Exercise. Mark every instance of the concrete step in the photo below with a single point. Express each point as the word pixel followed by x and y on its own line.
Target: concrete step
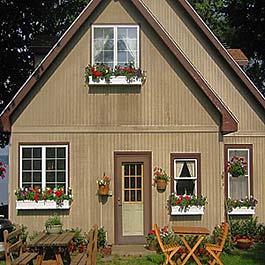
pixel 131 250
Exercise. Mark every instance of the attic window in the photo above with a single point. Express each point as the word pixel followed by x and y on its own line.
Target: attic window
pixel 115 45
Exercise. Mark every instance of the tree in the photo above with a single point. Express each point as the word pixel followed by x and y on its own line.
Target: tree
pixel 239 24
pixel 23 21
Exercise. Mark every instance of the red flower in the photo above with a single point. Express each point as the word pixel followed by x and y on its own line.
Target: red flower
pixel 36 197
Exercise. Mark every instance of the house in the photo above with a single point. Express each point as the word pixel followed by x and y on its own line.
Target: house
pixel 195 110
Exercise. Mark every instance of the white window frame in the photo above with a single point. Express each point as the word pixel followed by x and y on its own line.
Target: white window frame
pixel 115 27
pixel 189 178
pixel 248 169
pixel 43 159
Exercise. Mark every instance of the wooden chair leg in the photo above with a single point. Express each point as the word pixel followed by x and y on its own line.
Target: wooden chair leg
pixel 215 256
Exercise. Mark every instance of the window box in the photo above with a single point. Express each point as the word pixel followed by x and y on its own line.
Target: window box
pixel 115 80
pixel 42 205
pixel 193 210
pixel 242 211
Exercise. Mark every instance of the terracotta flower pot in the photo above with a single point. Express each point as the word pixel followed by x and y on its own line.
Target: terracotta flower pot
pixel 244 243
pixel 152 246
pixel 106 251
pixel 161 184
pixel 103 189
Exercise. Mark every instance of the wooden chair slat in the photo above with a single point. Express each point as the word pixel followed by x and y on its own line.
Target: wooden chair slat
pixel 168 250
pixel 16 247
pixel 215 250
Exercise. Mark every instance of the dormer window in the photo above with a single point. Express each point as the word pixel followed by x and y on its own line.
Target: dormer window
pixel 115 45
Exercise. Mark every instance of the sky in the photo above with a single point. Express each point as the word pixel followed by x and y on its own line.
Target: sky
pixel 4 151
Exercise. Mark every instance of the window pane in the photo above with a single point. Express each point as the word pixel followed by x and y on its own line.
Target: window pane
pixel 185 187
pixel 61 153
pixel 50 177
pixel 126 183
pixel 37 177
pixel 37 152
pixel 139 195
pixel 61 177
pixel 26 177
pixel 126 169
pixel 50 164
pixel 98 33
pixel 126 195
pixel 238 187
pixel 122 57
pixel 108 57
pixel 132 33
pixel 139 182
pixel 109 45
pixel 61 164
pixel 132 182
pixel 132 169
pixel 132 195
pixel 36 164
pixel 26 165
pixel 50 152
pixel 26 152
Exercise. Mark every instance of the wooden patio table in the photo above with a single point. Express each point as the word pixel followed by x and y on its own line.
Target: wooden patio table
pixel 198 232
pixel 56 244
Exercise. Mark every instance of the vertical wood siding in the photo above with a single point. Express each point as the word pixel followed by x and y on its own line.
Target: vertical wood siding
pixel 168 114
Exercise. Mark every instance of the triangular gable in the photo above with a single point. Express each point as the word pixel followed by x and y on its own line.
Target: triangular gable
pixel 229 123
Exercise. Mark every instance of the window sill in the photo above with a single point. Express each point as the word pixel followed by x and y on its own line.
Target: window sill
pixel 115 80
pixel 193 210
pixel 242 211
pixel 42 205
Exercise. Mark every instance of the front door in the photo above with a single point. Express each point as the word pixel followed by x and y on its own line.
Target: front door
pixel 132 197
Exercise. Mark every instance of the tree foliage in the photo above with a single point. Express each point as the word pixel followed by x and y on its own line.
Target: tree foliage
pixel 239 24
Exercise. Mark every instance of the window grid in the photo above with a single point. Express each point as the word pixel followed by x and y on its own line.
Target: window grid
pixel 132 183
pixel 43 183
pixel 238 152
pixel 115 48
pixel 178 178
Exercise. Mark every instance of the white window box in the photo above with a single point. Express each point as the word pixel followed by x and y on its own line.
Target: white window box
pixel 242 211
pixel 42 205
pixel 115 80
pixel 193 210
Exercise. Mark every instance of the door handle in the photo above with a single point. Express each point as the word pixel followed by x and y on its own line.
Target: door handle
pixel 119 201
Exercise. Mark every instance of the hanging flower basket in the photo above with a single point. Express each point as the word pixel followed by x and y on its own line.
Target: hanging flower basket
pixel 103 189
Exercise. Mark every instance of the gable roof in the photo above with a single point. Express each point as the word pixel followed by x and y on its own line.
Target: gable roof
pixel 229 123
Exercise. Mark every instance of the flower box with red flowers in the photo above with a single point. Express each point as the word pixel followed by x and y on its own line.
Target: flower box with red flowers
pixel 244 206
pixel 102 74
pixel 47 199
pixel 187 204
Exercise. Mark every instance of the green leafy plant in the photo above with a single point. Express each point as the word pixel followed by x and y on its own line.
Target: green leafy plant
pixel 151 238
pixel 79 242
pixel 102 238
pixel 53 220
pixel 249 202
pixel 186 201
pixel 160 173
pixel 237 166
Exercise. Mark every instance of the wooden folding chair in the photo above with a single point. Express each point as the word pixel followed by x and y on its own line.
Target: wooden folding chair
pixel 90 256
pixel 168 250
pixel 13 249
pixel 215 250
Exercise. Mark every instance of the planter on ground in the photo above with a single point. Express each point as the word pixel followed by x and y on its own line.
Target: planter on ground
pixel 42 205
pixel 193 210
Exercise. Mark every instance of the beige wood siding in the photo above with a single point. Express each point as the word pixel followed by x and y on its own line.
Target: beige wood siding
pixel 92 154
pixel 168 114
pixel 209 63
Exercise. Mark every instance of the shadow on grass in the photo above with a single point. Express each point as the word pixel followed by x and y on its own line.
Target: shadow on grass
pixel 256 255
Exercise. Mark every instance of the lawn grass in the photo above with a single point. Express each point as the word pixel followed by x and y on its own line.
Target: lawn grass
pixel 253 256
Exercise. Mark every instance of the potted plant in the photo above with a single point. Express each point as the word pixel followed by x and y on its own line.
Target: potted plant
pixel 102 74
pixel 236 166
pixel 244 242
pixel 186 204
pixel 103 185
pixel 53 225
pixel 242 206
pixel 151 240
pixel 35 198
pixel 104 249
pixel 161 178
